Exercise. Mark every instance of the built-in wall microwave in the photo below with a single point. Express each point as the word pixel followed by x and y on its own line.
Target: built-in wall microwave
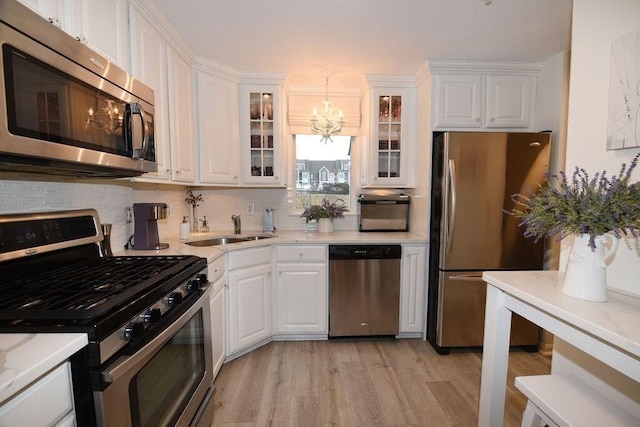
pixel 65 109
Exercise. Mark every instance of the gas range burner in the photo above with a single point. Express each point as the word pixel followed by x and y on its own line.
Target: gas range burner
pixel 87 289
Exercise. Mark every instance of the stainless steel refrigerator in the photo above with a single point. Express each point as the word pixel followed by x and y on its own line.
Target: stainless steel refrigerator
pixel 474 175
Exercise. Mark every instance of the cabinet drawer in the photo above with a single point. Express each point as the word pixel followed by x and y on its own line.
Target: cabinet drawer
pixel 301 253
pixel 248 257
pixel 216 269
pixel 46 402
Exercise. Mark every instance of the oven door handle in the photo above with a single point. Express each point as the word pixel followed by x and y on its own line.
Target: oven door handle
pixel 124 364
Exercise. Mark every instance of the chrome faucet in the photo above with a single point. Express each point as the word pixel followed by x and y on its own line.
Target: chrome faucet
pixel 236 224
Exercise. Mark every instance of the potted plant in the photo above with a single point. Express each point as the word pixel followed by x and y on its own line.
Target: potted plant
pixel 324 213
pixel 592 210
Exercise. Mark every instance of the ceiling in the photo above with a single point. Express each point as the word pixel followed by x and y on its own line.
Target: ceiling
pixel 304 38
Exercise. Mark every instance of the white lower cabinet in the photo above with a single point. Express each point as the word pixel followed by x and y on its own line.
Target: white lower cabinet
pixel 301 290
pixel 46 402
pixel 250 298
pixel 412 289
pixel 218 294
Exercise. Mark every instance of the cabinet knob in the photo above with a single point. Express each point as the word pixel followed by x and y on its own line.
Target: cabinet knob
pixel 178 171
pixel 56 22
pixel 477 119
pixel 82 39
pixel 301 255
pixel 268 273
pixel 168 170
pixel 235 176
pixel 492 119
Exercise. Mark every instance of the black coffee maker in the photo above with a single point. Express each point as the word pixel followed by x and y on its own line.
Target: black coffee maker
pixel 146 216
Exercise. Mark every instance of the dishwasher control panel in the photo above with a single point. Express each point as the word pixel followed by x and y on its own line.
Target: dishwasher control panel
pixel 365 251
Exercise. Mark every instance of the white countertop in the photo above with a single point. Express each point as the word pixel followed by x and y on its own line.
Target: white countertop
pixel 179 247
pixel 616 321
pixel 26 357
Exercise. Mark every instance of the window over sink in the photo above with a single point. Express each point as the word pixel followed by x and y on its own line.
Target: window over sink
pixel 322 169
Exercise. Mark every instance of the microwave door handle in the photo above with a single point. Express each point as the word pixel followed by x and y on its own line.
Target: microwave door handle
pixel 139 153
pixel 452 206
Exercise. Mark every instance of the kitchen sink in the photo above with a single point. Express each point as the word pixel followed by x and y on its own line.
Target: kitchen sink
pixel 226 240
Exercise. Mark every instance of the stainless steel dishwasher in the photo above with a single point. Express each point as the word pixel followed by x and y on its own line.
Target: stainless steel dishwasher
pixel 364 290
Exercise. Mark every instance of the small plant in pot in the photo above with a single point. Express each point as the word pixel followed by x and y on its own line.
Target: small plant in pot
pixel 592 210
pixel 325 212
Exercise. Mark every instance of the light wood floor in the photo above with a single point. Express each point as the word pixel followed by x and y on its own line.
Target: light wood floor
pixel 370 382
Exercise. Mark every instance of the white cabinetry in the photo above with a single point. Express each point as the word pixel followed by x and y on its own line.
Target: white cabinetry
pixel 181 128
pixel 250 298
pixel 158 64
pixel 481 95
pixel 101 24
pixel 391 150
pixel 149 64
pixel 412 289
pixel 218 129
pixel 218 278
pixel 261 143
pixel 458 101
pixel 301 290
pixel 509 100
pixel 46 402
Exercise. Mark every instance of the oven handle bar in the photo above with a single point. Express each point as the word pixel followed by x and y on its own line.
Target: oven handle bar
pixel 155 345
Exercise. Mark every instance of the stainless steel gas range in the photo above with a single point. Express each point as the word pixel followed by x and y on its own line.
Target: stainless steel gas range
pixel 148 362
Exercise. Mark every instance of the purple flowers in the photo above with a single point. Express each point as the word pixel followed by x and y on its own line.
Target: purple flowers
pixel 327 209
pixel 582 205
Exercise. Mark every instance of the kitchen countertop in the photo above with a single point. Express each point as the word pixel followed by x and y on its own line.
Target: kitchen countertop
pixel 26 357
pixel 179 247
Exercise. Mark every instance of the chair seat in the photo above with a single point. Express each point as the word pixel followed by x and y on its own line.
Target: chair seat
pixel 568 401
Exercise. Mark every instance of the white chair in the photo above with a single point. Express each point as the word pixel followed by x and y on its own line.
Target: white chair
pixel 564 400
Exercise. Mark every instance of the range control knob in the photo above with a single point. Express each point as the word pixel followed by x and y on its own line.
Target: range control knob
pixel 152 316
pixel 133 330
pixel 202 278
pixel 174 299
pixel 193 285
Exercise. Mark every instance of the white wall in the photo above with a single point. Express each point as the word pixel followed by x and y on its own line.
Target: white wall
pixel 595 25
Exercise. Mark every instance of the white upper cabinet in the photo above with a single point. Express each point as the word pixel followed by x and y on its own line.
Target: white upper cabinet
pixel 102 25
pixel 392 139
pixel 261 135
pixel 484 95
pixel 181 128
pixel 218 129
pixel 149 65
pixel 509 101
pixel 458 101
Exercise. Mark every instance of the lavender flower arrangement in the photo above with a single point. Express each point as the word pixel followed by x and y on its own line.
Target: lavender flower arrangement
pixel 327 209
pixel 582 205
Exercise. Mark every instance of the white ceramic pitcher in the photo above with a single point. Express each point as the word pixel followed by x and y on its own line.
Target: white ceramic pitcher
pixel 586 276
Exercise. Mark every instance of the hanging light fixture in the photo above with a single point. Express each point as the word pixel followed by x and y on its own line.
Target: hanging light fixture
pixel 325 125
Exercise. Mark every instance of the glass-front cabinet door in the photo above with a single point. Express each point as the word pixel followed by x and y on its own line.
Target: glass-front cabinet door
pixel 261 141
pixel 392 141
pixel 389 136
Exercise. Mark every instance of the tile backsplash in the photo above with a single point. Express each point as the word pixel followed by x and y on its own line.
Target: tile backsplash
pixel 111 197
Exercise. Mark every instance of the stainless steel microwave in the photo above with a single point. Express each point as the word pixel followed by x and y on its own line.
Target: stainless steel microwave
pixel 65 109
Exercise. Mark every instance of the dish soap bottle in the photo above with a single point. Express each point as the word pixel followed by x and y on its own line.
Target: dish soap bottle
pixel 184 228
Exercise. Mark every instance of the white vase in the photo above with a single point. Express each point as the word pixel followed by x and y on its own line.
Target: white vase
pixel 325 225
pixel 586 276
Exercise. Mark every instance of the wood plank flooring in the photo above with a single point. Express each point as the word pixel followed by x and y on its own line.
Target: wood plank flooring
pixel 362 382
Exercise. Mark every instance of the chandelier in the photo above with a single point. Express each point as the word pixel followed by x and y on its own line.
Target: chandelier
pixel 325 125
pixel 106 119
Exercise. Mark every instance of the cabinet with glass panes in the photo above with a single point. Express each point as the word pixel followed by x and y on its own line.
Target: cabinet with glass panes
pixel 392 137
pixel 261 140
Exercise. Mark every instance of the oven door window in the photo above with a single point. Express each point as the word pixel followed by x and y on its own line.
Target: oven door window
pixel 162 388
pixel 46 103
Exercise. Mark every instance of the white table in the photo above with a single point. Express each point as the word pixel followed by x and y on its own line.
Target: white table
pixel 609 331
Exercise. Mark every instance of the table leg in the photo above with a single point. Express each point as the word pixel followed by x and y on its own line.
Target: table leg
pixel 495 359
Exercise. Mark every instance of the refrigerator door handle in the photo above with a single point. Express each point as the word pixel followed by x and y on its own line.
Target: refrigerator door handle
pixel 472 277
pixel 452 210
